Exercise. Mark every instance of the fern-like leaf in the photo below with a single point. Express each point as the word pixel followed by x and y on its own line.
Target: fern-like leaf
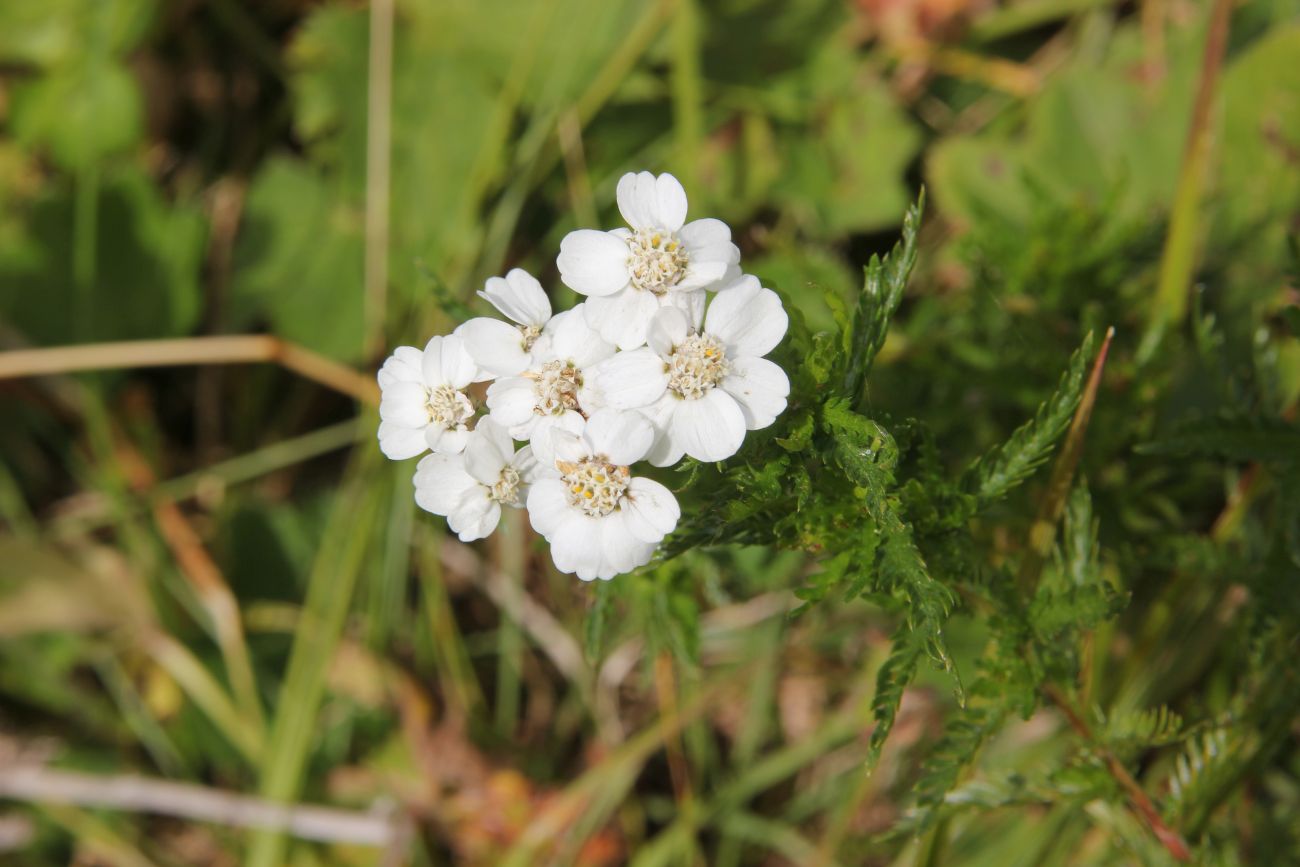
pixel 884 281
pixel 996 473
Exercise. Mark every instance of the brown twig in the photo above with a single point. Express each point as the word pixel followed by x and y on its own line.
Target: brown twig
pixel 232 349
pixel 39 784
pixel 1141 802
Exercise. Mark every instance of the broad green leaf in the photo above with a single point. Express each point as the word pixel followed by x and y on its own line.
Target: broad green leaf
pixel 148 256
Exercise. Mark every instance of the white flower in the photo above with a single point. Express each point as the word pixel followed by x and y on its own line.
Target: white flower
pixel 552 392
pixel 470 488
pixel 423 404
pixel 599 518
pixel 628 275
pixel 497 347
pixel 703 388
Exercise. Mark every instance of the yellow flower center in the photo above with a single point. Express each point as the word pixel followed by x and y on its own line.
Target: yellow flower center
pixel 657 260
pixel 696 366
pixel 594 485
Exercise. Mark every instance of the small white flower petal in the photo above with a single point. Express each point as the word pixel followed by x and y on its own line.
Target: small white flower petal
pixel 665 451
pixel 667 330
pixel 552 434
pixel 518 296
pixel 670 203
pixel 628 380
pixel 572 338
pixel 747 318
pixel 405 404
pixel 709 429
pixel 475 517
pixel 495 346
pixel 399 443
pixel 404 365
pixel 526 464
pixel 701 274
pixel 444 441
pixel 650 510
pixel 441 482
pixel 622 319
pixel 576 546
pixel 622 438
pixel 593 263
pixel 637 199
pixel 760 387
pixel 701 237
pixel 511 400
pixel 458 368
pixel 484 456
pixel 548 505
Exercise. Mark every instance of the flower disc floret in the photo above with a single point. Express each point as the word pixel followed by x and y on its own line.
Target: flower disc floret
pixel 557 384
pixel 594 485
pixel 448 407
pixel 657 260
pixel 506 489
pixel 696 366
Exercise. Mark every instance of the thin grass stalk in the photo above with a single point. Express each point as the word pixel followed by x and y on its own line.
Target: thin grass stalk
pixel 329 594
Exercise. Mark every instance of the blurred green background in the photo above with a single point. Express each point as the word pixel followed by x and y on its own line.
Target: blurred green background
pixel 207 574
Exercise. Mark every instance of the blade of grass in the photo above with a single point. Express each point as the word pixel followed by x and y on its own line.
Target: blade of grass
pixel 379 125
pixel 687 96
pixel 329 595
pixel 96 836
pixel 1178 260
pixel 511 558
pixel 204 690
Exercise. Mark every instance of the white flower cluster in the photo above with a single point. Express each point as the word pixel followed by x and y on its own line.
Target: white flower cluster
pixel 646 368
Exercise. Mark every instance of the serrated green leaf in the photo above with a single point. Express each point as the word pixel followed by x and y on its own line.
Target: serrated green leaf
pixel 996 473
pixel 884 281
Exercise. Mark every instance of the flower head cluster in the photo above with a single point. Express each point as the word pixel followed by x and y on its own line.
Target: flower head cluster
pixel 664 359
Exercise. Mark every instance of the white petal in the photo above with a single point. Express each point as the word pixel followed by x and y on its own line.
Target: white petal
pixel 748 318
pixel 707 234
pixel 575 545
pixel 651 511
pixel 404 365
pixel 458 368
pixel 554 437
pixel 485 456
pixel 593 263
pixel 622 319
pixel 519 296
pixel 760 387
pixel 511 400
pixel 621 551
pixel 548 506
pixel 405 404
pixel 475 516
pixel 709 429
pixel 701 275
pixel 572 338
pixel 399 443
pixel 637 199
pixel 495 346
pixel 622 437
pixel 665 451
pixel 444 441
pixel 431 363
pixel 628 380
pixel 670 203
pixel 526 464
pixel 440 482
pixel 668 329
